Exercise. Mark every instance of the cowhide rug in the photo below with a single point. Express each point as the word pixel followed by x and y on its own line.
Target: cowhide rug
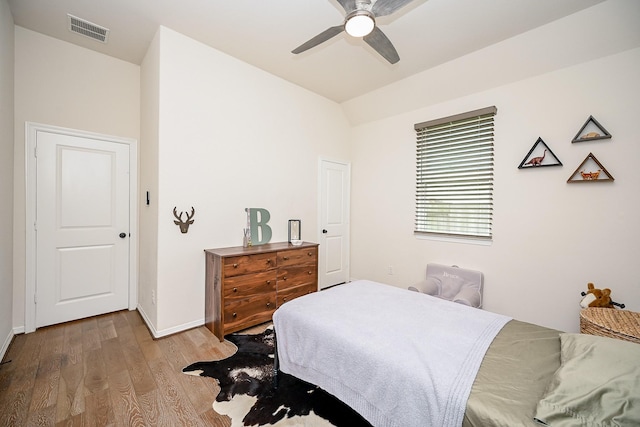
pixel 249 397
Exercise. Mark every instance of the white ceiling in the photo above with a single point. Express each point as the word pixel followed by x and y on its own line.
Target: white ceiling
pixel 425 33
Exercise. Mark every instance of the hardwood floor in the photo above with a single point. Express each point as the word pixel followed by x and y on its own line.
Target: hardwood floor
pixel 109 371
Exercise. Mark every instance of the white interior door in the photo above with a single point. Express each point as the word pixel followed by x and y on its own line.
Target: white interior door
pixel 333 259
pixel 82 227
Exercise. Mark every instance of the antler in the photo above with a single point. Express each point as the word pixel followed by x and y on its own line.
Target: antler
pixel 193 212
pixel 175 213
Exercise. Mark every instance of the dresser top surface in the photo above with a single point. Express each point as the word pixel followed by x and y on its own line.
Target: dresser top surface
pixel 269 247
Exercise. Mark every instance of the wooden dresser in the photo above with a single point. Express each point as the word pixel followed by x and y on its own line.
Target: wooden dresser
pixel 244 286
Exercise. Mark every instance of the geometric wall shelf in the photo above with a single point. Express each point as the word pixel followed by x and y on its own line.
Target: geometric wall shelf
pixel 591 131
pixel 539 155
pixel 590 170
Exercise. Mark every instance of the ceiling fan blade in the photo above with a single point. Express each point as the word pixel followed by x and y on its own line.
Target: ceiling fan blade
pixel 320 38
pixel 377 40
pixel 387 7
pixel 348 5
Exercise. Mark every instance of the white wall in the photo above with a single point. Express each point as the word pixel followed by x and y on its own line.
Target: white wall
pixel 230 136
pixel 148 214
pixel 6 176
pixel 550 238
pixel 61 84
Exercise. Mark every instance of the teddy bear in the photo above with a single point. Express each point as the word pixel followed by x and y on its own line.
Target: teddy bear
pixel 598 298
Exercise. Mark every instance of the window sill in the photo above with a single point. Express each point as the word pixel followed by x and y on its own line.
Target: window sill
pixel 453 239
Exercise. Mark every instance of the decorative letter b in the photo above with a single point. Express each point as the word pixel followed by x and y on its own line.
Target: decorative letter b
pixel 260 231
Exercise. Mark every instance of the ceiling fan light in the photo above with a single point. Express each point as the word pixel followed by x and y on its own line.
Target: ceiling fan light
pixel 359 24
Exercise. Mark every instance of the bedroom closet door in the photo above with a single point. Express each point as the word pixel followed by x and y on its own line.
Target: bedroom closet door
pixel 82 227
pixel 333 253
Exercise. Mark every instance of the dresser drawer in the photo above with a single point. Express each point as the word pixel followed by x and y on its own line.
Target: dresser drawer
pixel 297 256
pixel 239 265
pixel 248 311
pixel 239 287
pixel 296 276
pixel 295 292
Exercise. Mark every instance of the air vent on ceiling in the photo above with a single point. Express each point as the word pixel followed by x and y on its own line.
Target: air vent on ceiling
pixel 88 29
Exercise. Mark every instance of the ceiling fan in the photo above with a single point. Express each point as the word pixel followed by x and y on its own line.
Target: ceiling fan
pixel 360 21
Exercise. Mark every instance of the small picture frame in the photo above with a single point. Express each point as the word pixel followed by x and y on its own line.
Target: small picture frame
pixel 294 230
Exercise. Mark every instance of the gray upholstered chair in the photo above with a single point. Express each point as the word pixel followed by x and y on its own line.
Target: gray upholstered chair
pixel 452 283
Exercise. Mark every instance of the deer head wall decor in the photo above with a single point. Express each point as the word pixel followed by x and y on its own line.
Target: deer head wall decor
pixel 184 225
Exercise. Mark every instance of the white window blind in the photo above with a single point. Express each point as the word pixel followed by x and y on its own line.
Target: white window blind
pixel 454 195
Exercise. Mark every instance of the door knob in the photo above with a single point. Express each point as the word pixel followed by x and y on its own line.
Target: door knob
pixel 324 231
pixel 123 235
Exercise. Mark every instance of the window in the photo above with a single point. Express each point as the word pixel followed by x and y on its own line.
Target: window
pixel 454 180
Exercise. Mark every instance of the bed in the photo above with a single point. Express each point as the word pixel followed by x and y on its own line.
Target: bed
pixel 396 357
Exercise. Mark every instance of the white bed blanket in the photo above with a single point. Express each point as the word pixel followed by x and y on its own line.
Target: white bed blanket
pixel 399 358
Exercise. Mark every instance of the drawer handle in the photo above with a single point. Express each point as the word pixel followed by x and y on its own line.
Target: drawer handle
pixel 234 315
pixel 268 282
pixel 286 258
pixel 284 278
pixel 284 299
pixel 235 265
pixel 268 304
pixel 269 261
pixel 310 253
pixel 310 273
pixel 235 289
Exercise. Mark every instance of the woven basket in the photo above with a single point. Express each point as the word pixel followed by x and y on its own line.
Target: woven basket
pixel 611 322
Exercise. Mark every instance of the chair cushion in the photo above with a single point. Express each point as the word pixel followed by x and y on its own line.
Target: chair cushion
pixel 452 283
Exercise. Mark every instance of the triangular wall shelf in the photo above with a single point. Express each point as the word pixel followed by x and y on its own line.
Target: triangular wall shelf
pixel 594 172
pixel 591 131
pixel 539 155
